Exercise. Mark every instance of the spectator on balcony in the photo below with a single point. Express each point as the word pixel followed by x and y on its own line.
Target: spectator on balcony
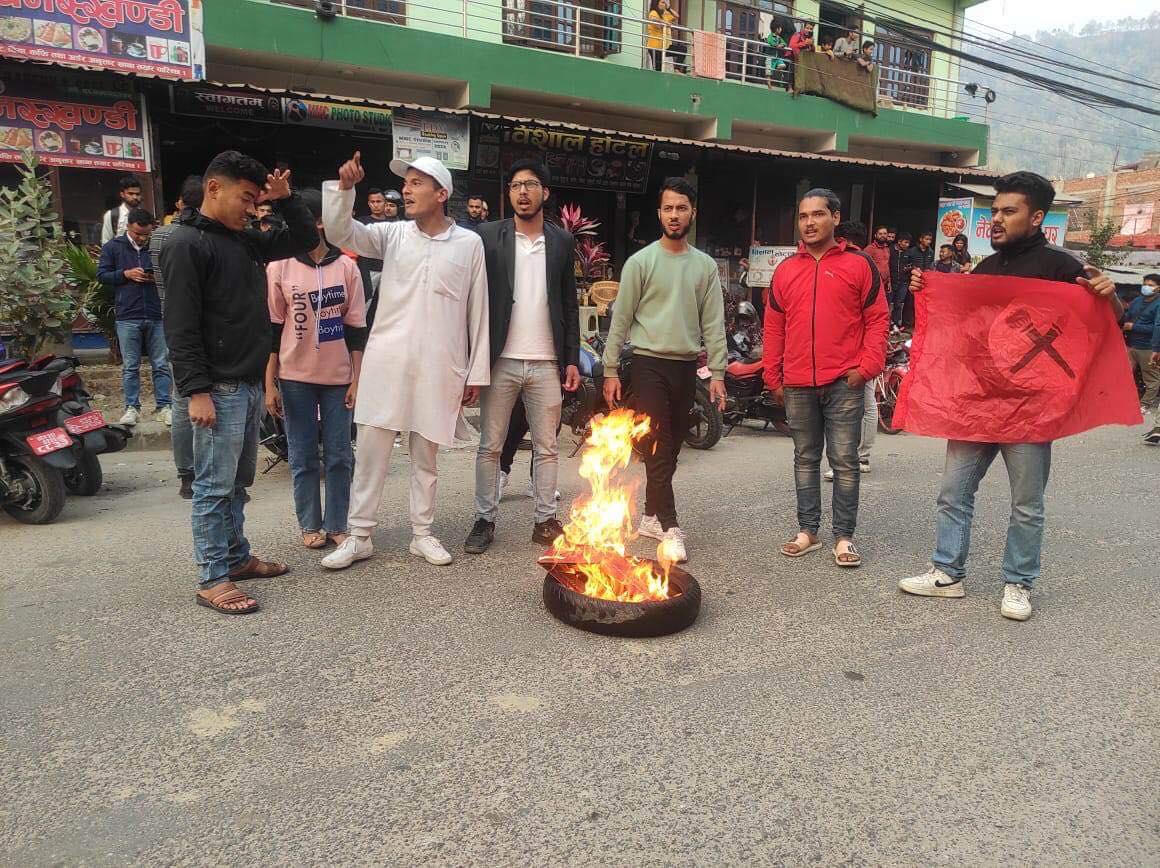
pixel 866 58
pixel 962 254
pixel 826 46
pixel 803 40
pixel 661 17
pixel 847 46
pixel 778 53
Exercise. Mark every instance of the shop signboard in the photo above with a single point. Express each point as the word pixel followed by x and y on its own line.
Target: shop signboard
pixel 583 160
pixel 302 111
pixel 445 137
pixel 217 102
pixel 146 37
pixel 68 124
pixel 763 261
pixel 971 216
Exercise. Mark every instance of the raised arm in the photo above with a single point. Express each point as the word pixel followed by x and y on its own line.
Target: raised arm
pixel 342 230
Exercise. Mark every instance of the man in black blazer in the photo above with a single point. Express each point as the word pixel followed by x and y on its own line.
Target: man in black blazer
pixel 535 347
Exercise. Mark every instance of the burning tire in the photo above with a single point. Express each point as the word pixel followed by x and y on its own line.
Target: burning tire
pixel 614 618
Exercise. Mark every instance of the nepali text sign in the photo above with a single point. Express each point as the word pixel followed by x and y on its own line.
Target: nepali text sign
pixel 306 112
pixel 763 261
pixel 68 125
pixel 222 103
pixel 447 138
pixel 575 159
pixel 148 37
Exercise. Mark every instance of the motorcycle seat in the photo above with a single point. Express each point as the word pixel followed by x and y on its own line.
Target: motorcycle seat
pixel 744 369
pixel 12 365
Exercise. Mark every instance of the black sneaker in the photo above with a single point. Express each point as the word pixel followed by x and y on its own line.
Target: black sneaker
pixel 186 490
pixel 1152 438
pixel 480 538
pixel 545 532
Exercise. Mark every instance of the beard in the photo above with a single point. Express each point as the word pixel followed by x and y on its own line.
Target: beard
pixel 679 234
pixel 536 209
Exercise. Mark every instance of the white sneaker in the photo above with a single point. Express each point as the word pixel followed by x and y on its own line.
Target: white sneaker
pixel 503 483
pixel 353 548
pixel 933 583
pixel 165 415
pixel 431 550
pixel 650 526
pixel 132 416
pixel 674 543
pixel 1016 602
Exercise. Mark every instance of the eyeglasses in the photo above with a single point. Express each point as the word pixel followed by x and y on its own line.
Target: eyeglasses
pixel 529 186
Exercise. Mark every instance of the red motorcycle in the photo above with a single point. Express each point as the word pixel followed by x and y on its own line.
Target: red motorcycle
pixel 887 384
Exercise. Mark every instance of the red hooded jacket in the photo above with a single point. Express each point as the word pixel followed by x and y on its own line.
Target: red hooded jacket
pixel 825 317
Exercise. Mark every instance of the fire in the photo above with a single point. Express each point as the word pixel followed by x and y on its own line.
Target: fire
pixel 600 524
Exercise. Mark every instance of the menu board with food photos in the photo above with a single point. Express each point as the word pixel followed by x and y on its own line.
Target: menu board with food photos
pixel 70 122
pixel 148 37
pixel 577 159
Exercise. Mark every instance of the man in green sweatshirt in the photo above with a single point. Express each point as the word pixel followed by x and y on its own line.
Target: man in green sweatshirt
pixel 669 302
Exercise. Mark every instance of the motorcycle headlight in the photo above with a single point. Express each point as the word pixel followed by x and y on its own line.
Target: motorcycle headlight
pixel 12 399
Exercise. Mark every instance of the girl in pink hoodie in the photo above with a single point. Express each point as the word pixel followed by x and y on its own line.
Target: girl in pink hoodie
pixel 319 331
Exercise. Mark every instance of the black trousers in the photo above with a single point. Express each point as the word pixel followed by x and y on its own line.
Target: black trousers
pixel 665 390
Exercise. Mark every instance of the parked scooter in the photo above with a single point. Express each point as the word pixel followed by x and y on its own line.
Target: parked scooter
pixel 704 419
pixel 91 434
pixel 746 397
pixel 34 450
pixel 888 382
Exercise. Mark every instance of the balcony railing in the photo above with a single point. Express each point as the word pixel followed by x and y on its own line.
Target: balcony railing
pixel 597 29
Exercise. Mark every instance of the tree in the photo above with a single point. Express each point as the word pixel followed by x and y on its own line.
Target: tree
pixel 38 298
pixel 1097 251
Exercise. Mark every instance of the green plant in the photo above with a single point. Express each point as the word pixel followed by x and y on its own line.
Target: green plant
pixel 38 297
pixel 1097 252
pixel 98 299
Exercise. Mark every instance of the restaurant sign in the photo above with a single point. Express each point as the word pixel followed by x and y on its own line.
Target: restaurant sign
pixel 575 159
pixel 252 105
pixel 68 124
pixel 146 37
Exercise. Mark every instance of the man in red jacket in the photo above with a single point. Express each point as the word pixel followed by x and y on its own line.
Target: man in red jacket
pixel 826 322
pixel 879 251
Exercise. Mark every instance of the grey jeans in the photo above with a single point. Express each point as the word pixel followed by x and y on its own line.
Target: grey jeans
pixel 539 383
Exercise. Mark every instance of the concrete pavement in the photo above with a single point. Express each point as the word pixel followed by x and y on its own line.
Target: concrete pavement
pixel 398 713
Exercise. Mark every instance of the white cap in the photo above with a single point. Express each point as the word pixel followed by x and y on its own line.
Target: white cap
pixel 428 166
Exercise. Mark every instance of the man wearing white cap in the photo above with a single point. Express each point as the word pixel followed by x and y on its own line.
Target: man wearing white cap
pixel 428 347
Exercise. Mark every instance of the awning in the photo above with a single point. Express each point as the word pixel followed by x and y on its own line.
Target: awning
pixel 988 191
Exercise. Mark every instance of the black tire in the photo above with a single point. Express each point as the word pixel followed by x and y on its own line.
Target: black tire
pixel 886 393
pixel 86 478
pixel 706 425
pixel 48 487
pixel 630 620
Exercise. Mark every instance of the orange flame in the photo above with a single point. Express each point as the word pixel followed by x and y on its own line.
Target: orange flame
pixel 600 524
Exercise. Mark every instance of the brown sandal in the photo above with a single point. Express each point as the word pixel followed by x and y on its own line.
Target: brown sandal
pixel 849 557
pixel 225 593
pixel 337 538
pixel 255 568
pixel 794 549
pixel 312 539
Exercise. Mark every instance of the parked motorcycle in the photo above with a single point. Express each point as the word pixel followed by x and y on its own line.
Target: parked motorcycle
pixel 91 434
pixel 34 450
pixel 887 384
pixel 705 422
pixel 747 398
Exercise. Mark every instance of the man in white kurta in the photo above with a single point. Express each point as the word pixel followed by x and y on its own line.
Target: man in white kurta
pixel 428 347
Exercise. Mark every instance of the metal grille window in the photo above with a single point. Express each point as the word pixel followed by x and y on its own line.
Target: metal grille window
pixel 552 24
pixel 903 68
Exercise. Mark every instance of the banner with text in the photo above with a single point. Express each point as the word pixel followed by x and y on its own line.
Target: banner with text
pixel 763 261
pixel 147 37
pixel 68 124
pixel 447 138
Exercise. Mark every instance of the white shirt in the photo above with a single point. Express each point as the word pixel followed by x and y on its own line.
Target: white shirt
pixel 530 331
pixel 430 335
pixel 108 232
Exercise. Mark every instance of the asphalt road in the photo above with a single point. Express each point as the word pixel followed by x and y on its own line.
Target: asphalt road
pixel 399 713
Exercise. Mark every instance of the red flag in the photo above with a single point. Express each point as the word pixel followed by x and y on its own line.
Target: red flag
pixel 1014 360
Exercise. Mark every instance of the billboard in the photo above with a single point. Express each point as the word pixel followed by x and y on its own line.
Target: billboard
pixel 763 261
pixel 147 37
pixel 445 137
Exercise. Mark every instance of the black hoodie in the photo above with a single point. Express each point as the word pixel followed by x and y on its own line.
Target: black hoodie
pixel 217 319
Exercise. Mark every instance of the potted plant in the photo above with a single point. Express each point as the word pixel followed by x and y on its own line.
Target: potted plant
pixel 38 298
pixel 591 255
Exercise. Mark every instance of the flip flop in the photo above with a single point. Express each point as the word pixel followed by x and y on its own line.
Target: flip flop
pixel 312 539
pixel 228 592
pixel 853 559
pixel 255 568
pixel 798 549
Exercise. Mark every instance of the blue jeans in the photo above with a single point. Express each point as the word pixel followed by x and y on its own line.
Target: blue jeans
pixel 225 459
pixel 305 406
pixel 181 433
pixel 539 384
pixel 137 336
pixel 1028 466
pixel 831 414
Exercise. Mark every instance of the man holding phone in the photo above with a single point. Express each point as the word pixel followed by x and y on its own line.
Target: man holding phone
pixel 126 266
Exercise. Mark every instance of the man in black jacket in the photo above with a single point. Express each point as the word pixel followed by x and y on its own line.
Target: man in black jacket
pixel 217 323
pixel 534 319
pixel 920 257
pixel 1021 250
